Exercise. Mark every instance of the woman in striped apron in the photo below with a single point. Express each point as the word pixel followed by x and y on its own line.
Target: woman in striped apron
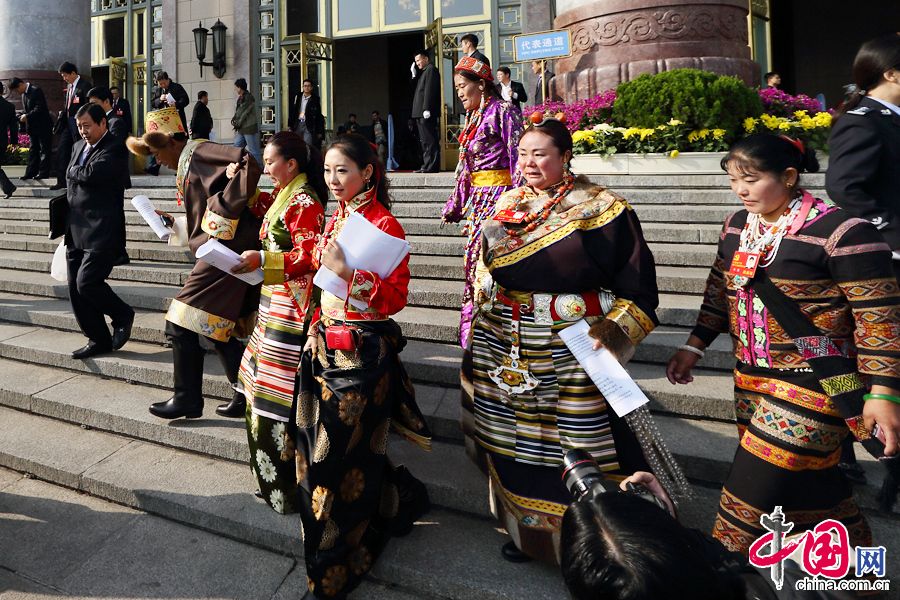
pixel 293 216
pixel 557 249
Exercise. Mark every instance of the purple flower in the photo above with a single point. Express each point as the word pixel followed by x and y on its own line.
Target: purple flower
pixel 581 114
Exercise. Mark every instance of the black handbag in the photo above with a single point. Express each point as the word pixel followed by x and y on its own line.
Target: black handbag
pixel 837 374
pixel 59 216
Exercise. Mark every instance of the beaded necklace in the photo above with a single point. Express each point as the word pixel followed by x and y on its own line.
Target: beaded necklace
pixel 764 239
pixel 473 121
pixel 533 219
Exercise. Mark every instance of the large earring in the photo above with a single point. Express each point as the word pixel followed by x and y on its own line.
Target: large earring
pixel 368 184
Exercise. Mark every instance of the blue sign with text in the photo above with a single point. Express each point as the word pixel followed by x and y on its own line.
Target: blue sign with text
pixel 538 46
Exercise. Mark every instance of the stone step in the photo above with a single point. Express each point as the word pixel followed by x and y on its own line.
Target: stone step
pixel 150 364
pixel 696 181
pixel 216 495
pixel 45 332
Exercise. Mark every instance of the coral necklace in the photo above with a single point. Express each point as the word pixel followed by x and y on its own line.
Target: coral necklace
pixel 533 219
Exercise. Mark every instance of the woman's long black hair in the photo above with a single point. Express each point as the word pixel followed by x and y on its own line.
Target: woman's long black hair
pixel 360 151
pixel 289 145
pixel 874 58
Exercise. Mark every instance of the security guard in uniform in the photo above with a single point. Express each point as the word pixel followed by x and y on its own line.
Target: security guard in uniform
pixel 863 174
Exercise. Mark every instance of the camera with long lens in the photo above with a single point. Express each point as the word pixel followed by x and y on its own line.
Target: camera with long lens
pixel 583 478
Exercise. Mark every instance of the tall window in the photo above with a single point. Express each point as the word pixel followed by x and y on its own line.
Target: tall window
pixel 302 17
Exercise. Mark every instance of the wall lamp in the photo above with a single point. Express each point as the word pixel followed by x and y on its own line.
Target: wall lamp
pixel 201 35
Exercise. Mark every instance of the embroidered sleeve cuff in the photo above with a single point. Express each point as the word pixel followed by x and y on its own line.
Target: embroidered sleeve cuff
pixel 218 226
pixel 634 322
pixel 273 268
pixel 363 286
pixel 613 339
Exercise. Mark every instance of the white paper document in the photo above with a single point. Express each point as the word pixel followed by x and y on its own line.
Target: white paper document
pixel 146 209
pixel 621 392
pixel 367 248
pixel 221 257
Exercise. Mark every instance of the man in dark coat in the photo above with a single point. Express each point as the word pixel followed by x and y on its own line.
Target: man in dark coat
pixel 40 128
pixel 539 85
pixel 119 130
pixel 9 133
pixel 201 119
pixel 509 90
pixel 212 303
pixel 122 108
pixel 95 237
pixel 168 94
pixel 863 175
pixel 426 111
pixel 77 88
pixel 306 118
pixel 469 45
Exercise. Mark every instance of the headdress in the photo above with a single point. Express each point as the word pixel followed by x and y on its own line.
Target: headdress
pixel 539 117
pixel 158 123
pixel 165 120
pixel 796 143
pixel 476 67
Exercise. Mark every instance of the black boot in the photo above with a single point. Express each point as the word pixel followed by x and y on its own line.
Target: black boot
pixel 187 363
pixel 230 354
pixel 234 409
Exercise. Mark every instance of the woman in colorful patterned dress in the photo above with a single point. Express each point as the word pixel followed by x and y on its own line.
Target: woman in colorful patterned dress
pixel 487 163
pixel 352 389
pixel 293 216
pixel 558 249
pixel 838 270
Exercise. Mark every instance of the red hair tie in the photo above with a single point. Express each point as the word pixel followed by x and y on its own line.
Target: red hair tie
pixel 796 143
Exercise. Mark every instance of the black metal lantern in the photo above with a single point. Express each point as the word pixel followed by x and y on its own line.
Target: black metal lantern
pixel 200 38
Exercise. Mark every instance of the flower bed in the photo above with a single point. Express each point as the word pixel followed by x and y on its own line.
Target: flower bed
pixel 18 154
pixel 710 113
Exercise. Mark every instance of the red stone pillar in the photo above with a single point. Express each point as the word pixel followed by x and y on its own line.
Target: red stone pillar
pixel 617 40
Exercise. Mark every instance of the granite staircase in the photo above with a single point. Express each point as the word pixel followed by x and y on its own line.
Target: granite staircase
pixel 85 425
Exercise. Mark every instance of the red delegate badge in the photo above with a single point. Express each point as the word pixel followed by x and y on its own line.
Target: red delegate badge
pixel 510 216
pixel 744 264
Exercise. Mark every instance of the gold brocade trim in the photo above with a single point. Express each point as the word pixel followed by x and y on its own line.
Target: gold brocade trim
pixel 518 505
pixel 787 392
pixel 631 319
pixel 785 458
pixel 419 440
pixel 184 164
pixel 199 321
pixel 491 178
pixel 273 268
pixel 253 199
pixel 218 226
pixel 615 209
pixel 333 307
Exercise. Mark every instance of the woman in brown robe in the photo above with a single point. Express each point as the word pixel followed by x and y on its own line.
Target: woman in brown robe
pixel 212 303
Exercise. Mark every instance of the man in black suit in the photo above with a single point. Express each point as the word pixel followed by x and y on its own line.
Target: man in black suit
pixel 95 237
pixel 469 45
pixel 40 128
pixel 77 88
pixel 168 93
pixel 115 125
pixel 539 86
pixel 306 118
pixel 426 111
pixel 509 90
pixel 201 119
pixel 119 130
pixel 9 131
pixel 122 108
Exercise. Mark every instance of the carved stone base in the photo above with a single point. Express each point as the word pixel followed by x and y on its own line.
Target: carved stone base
pixel 617 40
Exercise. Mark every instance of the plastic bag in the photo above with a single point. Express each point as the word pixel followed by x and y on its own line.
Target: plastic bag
pixel 59 270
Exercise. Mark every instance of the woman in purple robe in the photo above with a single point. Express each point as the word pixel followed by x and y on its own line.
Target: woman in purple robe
pixel 488 150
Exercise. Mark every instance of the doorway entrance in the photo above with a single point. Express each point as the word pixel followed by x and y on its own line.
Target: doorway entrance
pixel 373 73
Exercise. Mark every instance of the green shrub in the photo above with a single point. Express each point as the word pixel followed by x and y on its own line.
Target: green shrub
pixel 700 99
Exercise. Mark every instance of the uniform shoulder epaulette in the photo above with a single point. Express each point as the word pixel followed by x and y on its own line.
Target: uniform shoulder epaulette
pixel 859 111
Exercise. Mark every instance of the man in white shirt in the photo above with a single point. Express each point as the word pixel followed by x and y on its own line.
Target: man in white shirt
pixel 511 91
